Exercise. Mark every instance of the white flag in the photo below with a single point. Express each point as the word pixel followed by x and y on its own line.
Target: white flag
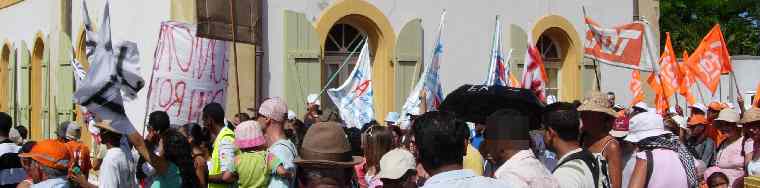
pixel 354 98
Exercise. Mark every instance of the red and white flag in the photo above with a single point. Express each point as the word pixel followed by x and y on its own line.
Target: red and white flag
pixel 534 75
pixel 622 45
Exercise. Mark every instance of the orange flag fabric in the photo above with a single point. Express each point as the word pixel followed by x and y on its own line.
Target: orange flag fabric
pixel 513 82
pixel 635 87
pixel 710 59
pixel 660 100
pixel 685 80
pixel 756 102
pixel 669 71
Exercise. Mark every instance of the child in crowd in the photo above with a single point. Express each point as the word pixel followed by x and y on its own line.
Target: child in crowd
pixel 717 180
pixel 254 165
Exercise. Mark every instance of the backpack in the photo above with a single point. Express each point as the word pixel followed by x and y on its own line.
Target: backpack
pixel 598 167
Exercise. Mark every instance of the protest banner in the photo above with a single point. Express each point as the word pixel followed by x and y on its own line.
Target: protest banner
pixel 188 73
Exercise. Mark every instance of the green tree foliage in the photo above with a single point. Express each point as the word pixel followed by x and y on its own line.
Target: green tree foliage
pixel 688 21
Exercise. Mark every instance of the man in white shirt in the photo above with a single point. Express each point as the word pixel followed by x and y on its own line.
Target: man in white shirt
pixel 119 167
pixel 562 129
pixel 10 165
pixel 441 140
pixel 507 145
pixel 272 114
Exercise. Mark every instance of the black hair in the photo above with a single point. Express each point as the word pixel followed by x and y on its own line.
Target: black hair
pixel 109 137
pixel 178 151
pixel 355 140
pixel 342 176
pixel 440 139
pixel 6 122
pixel 507 124
pixel 23 132
pixel 714 176
pixel 243 117
pixel 200 135
pixel 27 147
pixel 563 118
pixel 215 112
pixel 159 121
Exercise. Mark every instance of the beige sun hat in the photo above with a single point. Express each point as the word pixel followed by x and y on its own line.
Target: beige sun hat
pixel 728 115
pixel 751 115
pixel 597 102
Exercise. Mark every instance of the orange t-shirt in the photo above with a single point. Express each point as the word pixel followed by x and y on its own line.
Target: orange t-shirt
pixel 80 154
pixel 712 132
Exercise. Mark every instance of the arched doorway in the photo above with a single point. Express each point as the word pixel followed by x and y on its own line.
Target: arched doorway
pixel 364 16
pixel 5 57
pixel 343 42
pixel 551 54
pixel 561 47
pixel 35 90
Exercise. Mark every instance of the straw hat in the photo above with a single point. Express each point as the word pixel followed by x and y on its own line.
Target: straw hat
pixel 751 115
pixel 728 115
pixel 325 145
pixel 106 124
pixel 597 102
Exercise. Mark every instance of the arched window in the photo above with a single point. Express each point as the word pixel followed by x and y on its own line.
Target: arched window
pixel 342 40
pixel 551 53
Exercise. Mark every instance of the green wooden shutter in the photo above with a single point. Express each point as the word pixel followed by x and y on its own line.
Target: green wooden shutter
pixel 12 84
pixel 408 60
pixel 518 41
pixel 302 61
pixel 24 61
pixel 46 91
pixel 64 107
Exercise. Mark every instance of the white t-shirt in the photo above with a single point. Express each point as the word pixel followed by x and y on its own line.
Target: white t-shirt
pixel 117 171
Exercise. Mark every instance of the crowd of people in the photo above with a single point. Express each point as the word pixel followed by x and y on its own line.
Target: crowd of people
pixel 588 144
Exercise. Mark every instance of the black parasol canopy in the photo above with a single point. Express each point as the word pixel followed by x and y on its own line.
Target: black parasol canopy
pixel 474 103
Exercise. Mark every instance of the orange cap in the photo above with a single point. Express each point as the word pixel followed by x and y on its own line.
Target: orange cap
pixel 697 119
pixel 716 106
pixel 50 153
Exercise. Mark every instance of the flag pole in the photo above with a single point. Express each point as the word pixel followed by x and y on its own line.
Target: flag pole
pixel 597 75
pixel 234 53
pixel 738 92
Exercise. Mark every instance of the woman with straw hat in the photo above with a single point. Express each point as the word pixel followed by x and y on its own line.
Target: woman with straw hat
pixel 751 121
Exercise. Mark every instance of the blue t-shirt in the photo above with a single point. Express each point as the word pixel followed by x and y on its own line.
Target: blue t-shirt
pixel 286 151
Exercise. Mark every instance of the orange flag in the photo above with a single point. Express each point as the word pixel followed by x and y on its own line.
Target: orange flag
pixel 711 59
pixel 660 101
pixel 513 81
pixel 669 70
pixel 756 102
pixel 635 87
pixel 686 80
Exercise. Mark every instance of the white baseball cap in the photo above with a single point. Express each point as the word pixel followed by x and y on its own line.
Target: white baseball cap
pixel 680 120
pixel 395 163
pixel 644 125
pixel 291 115
pixel 392 117
pixel 313 99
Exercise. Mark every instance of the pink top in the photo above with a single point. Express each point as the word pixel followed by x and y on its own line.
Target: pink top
pixel 730 161
pixel 668 170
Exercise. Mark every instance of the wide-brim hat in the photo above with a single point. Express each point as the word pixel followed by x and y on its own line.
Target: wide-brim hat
pixel 325 145
pixel 751 115
pixel 728 115
pixel 644 125
pixel 597 102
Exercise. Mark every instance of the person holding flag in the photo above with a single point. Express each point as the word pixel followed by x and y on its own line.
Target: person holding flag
pixel 427 93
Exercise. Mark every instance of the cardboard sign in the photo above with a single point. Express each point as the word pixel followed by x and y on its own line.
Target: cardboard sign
pixel 188 73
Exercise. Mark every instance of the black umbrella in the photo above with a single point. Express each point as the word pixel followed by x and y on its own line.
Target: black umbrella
pixel 474 103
